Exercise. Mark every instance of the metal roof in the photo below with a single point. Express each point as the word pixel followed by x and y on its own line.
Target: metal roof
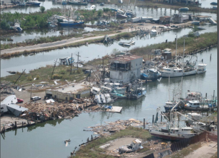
pixel 17 107
pixel 125 58
pixel 10 99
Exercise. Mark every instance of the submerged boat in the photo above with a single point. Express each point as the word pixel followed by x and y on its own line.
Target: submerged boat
pixel 66 61
pixel 183 9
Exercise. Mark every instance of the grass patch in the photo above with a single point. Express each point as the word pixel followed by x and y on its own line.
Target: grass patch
pixel 92 149
pixel 191 44
pixel 44 74
pixel 185 151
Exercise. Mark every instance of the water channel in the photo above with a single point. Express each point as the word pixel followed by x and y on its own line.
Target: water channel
pixel 98 50
pixel 46 140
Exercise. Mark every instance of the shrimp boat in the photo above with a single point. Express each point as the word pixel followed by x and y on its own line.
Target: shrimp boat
pixel 138 93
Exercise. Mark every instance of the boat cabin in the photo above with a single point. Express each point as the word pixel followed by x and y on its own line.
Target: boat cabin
pixel 95 90
pixel 193 103
pixel 105 89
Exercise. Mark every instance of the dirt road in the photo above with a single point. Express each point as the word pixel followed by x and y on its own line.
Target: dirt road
pixel 135 26
pixel 206 151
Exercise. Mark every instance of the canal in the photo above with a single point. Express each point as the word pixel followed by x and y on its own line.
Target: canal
pixel 46 140
pixel 98 50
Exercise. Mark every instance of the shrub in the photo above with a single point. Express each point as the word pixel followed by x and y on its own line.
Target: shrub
pixel 29 78
pixel 56 76
pixel 37 77
pixel 62 72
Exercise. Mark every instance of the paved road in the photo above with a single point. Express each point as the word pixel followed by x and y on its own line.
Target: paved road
pixel 206 151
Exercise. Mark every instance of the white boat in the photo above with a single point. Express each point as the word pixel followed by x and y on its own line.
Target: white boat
pixel 95 90
pixel 92 7
pixel 153 32
pixel 201 68
pixel 103 98
pixel 173 133
pixel 171 72
pixel 195 105
pixel 189 71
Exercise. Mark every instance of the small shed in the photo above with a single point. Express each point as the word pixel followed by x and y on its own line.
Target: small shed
pixel 165 19
pixel 167 53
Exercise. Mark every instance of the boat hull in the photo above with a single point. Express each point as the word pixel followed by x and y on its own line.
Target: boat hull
pixel 33 4
pixel 193 72
pixel 170 136
pixel 166 75
pixel 70 24
pixel 76 3
pixel 195 108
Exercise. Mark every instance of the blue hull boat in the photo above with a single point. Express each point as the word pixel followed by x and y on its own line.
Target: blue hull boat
pixel 71 24
pixel 33 3
pixel 213 3
pixel 185 9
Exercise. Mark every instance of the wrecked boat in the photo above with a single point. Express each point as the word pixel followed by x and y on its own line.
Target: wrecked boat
pixel 136 94
pixel 103 98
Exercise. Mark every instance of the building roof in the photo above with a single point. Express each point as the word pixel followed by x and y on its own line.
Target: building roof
pixel 125 58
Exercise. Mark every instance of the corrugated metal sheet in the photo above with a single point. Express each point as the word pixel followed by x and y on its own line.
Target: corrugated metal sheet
pixel 16 109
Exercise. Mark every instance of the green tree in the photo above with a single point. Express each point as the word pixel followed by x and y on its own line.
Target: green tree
pixel 99 13
pixel 4 25
pixel 42 9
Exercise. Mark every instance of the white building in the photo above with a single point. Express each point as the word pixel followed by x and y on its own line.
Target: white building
pixel 125 68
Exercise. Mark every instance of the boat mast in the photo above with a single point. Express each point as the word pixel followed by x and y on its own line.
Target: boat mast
pixel 176 51
pixel 183 54
pixel 169 87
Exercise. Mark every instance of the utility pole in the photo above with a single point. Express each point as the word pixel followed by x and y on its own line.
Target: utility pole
pixel 19 76
pixel 53 68
pixel 31 92
pixel 71 64
pixel 78 59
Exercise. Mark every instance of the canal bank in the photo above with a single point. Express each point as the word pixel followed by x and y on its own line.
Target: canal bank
pixel 53 133
pixel 99 50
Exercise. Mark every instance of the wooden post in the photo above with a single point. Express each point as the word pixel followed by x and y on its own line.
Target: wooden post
pixel 161 117
pixel 206 96
pixel 152 119
pixel 144 123
pixel 15 124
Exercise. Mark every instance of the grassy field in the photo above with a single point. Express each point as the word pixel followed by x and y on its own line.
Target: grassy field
pixel 185 151
pixel 191 44
pixel 45 74
pixel 92 149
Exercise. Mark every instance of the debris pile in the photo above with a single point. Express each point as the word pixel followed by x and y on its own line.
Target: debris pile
pixel 112 127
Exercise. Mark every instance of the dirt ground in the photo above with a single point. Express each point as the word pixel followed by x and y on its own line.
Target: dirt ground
pixel 25 95
pixel 8 119
pixel 115 144
pixel 206 151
